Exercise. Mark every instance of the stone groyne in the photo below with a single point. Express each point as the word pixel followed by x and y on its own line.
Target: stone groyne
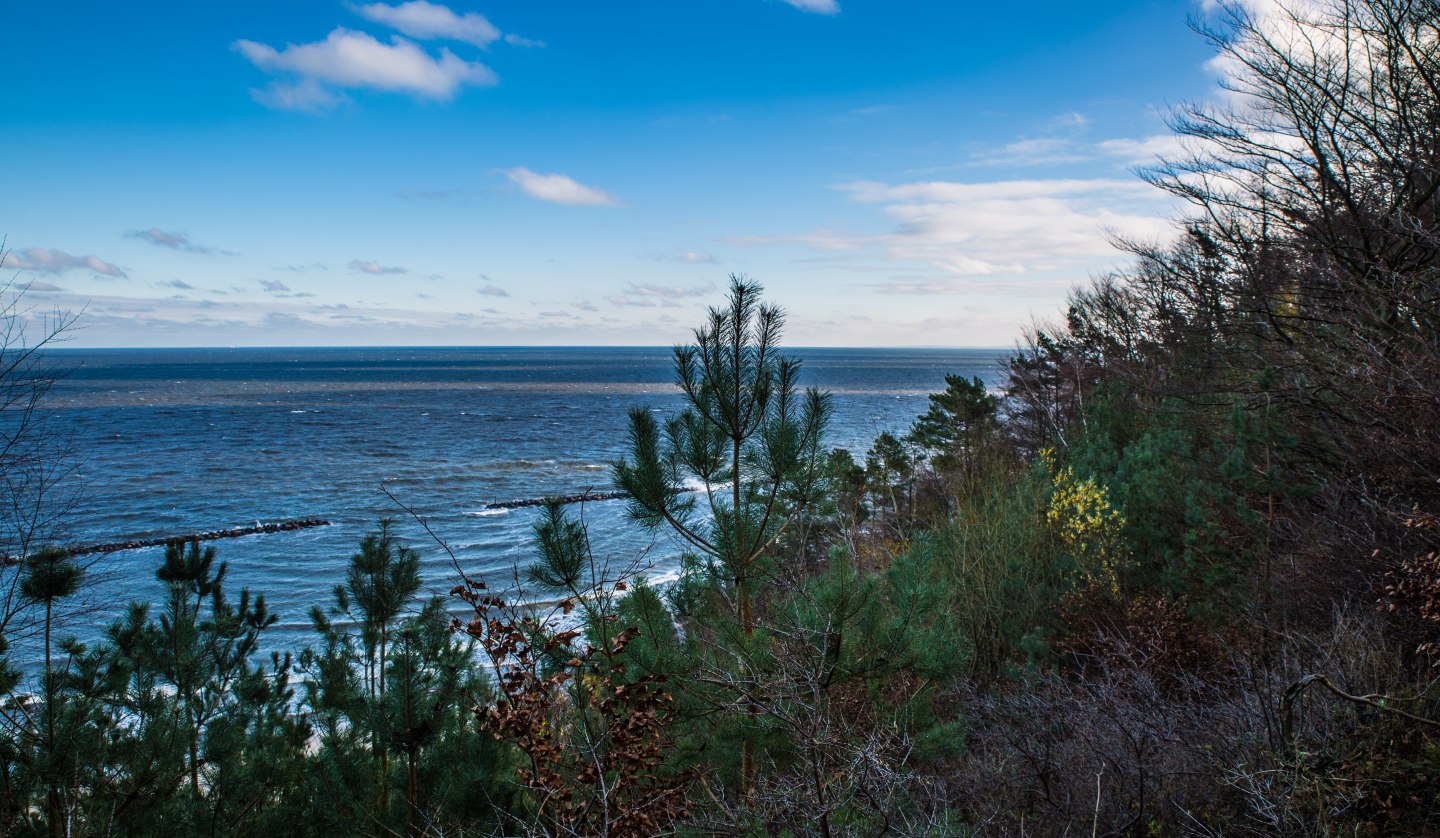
pixel 583 497
pixel 566 499
pixel 210 535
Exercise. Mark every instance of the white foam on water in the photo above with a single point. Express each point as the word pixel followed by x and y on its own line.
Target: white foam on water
pixel 697 485
pixel 486 513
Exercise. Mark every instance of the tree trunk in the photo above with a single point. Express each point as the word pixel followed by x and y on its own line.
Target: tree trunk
pixel 53 794
pixel 384 751
pixel 194 754
pixel 412 788
pixel 747 617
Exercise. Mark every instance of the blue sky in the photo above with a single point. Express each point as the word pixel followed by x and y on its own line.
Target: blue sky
pixel 503 172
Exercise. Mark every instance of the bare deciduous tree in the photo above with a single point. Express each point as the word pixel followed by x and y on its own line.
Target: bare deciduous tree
pixel 34 454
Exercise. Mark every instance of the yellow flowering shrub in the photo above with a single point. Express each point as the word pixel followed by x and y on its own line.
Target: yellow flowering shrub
pixel 1088 526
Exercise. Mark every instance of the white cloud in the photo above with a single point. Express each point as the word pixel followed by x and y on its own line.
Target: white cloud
pixel 492 291
pixel 559 189
pixel 1000 286
pixel 819 7
pixel 1005 190
pixel 303 95
pixel 41 260
pixel 429 21
pixel 348 59
pixel 1017 226
pixel 375 268
pixel 1144 150
pixel 517 41
pixel 1039 229
pixel 273 286
pixel 1305 29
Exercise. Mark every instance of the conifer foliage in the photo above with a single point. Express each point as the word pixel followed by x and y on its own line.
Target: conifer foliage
pixel 747 436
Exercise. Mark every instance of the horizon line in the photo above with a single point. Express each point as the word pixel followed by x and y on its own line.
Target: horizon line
pixel 62 348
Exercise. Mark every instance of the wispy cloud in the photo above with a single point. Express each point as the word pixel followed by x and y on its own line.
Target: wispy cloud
pixel 492 291
pixel 912 286
pixel 559 189
pixel 517 41
pixel 688 257
pixel 170 239
pixel 668 292
pixel 376 269
pixel 306 94
pixel 622 300
pixel 819 7
pixel 863 113
pixel 273 286
pixel 822 239
pixel 41 260
pixel 1039 151
pixel 1069 121
pixel 177 283
pixel 436 195
pixel 1144 150
pixel 942 230
pixel 354 60
pixel 429 21
pixel 1015 226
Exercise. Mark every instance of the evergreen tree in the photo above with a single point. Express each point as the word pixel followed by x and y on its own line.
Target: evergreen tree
pixel 401 683
pixel 958 427
pixel 746 436
pixel 49 576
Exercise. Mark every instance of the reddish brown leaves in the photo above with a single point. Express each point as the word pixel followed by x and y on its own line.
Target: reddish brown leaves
pixel 595 739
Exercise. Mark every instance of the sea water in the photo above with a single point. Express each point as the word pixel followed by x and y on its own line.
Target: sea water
pixel 171 441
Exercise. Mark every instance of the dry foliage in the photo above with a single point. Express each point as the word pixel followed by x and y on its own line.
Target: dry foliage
pixel 1413 591
pixel 593 737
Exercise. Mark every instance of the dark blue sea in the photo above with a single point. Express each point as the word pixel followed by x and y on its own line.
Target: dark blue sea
pixel 170 441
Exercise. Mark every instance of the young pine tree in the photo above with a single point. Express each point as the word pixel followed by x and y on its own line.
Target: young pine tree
pixel 50 575
pixel 747 437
